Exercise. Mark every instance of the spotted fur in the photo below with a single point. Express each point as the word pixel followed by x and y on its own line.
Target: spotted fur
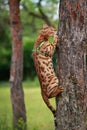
pixel 43 62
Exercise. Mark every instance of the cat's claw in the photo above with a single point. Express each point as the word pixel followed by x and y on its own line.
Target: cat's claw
pixel 60 89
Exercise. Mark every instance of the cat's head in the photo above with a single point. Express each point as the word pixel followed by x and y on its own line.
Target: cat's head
pixel 47 31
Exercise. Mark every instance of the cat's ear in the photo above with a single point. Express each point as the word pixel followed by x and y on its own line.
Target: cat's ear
pixel 45 26
pixel 42 32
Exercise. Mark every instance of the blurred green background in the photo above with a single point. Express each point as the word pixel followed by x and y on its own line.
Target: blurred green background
pixel 33 16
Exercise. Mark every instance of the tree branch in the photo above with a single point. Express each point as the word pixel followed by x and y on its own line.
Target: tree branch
pixel 44 16
pixel 30 12
pixel 41 16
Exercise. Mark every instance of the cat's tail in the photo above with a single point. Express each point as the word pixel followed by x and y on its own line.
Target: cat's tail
pixel 52 109
pixel 47 102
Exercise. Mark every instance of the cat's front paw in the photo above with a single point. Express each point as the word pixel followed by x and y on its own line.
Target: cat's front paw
pixel 60 89
pixel 55 38
pixel 55 35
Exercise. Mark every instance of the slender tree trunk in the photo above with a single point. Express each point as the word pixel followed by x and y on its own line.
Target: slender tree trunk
pixel 72 65
pixel 16 73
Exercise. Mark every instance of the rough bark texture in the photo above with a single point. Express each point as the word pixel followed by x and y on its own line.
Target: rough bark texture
pixel 17 95
pixel 72 66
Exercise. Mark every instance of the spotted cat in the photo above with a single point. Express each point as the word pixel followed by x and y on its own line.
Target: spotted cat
pixel 42 55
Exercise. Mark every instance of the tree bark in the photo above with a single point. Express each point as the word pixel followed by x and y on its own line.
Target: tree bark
pixel 16 72
pixel 72 65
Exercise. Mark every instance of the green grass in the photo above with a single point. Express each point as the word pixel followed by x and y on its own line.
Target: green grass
pixel 38 115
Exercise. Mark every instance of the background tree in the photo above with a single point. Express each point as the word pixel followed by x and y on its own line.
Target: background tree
pixel 71 65
pixel 16 73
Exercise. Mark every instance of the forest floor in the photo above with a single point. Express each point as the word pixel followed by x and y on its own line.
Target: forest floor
pixel 38 115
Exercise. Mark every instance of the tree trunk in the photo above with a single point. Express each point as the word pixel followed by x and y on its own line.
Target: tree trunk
pixel 71 65
pixel 17 95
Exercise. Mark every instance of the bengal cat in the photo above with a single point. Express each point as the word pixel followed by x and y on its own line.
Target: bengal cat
pixel 42 55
